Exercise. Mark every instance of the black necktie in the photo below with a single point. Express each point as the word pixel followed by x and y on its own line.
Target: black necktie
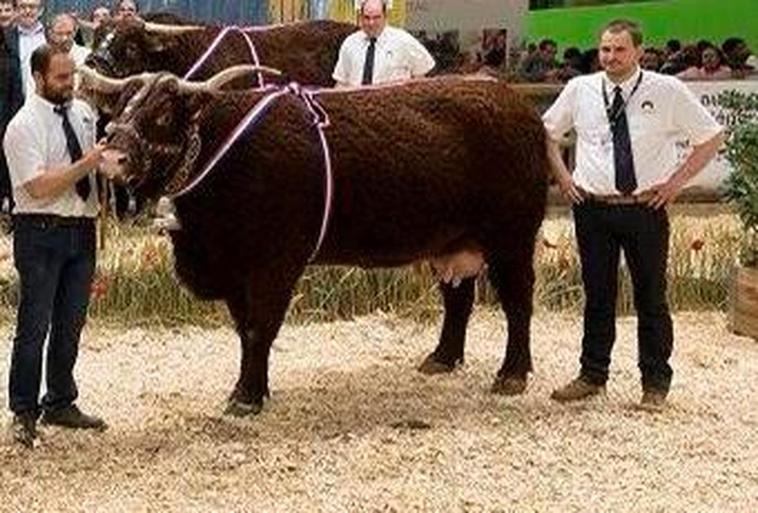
pixel 623 161
pixel 74 150
pixel 368 65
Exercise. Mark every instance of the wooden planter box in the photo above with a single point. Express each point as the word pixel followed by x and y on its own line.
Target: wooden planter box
pixel 743 302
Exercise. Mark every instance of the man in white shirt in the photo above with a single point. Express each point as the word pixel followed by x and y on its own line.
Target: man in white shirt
pixel 379 53
pixel 52 156
pixel 627 123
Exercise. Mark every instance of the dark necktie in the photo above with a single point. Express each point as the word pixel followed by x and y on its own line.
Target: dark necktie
pixel 368 65
pixel 74 150
pixel 623 161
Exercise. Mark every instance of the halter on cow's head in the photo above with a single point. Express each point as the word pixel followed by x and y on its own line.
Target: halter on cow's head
pixel 154 143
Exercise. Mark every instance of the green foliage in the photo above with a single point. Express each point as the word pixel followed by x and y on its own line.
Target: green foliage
pixel 742 154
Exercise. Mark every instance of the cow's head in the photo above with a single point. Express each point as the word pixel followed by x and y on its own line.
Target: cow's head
pixel 131 46
pixel 154 144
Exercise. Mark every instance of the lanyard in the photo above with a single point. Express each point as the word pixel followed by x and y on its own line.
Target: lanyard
pixel 613 116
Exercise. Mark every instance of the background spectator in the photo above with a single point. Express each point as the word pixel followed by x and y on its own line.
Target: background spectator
pixel 125 9
pixel 494 56
pixel 7 13
pixel 712 68
pixel 590 61
pixel 21 39
pixel 573 60
pixel 99 14
pixel 672 46
pixel 540 66
pixel 61 34
pixel 687 57
pixel 737 55
pixel 651 59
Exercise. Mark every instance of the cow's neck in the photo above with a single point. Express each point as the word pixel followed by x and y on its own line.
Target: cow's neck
pixel 189 163
pixel 209 134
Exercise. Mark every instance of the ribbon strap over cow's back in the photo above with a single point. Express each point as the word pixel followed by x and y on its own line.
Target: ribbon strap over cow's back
pixel 216 42
pixel 253 117
pixel 321 122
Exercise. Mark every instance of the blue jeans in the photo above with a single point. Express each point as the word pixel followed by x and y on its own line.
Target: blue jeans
pixel 55 259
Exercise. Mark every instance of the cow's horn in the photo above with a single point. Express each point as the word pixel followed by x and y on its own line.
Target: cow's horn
pixel 159 28
pixel 220 79
pixel 101 83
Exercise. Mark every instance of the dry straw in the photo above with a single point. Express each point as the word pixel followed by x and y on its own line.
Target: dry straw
pixel 135 280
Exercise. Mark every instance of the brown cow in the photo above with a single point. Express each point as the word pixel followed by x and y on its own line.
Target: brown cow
pixel 305 51
pixel 422 170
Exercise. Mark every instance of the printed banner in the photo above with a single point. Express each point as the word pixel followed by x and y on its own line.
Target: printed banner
pixel 713 176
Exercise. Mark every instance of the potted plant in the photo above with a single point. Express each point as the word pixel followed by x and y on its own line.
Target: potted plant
pixel 741 151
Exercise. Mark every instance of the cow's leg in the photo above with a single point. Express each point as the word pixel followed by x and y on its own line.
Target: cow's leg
pixel 258 312
pixel 512 276
pixel 459 302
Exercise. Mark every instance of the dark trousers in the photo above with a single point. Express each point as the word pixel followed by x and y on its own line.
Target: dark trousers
pixel 55 260
pixel 602 231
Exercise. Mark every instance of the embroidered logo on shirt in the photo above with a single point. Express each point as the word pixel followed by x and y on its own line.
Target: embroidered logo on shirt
pixel 648 107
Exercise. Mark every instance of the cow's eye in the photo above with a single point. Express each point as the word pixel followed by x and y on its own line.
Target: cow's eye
pixel 132 52
pixel 163 120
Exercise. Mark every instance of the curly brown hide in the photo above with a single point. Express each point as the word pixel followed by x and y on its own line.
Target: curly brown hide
pixel 421 170
pixel 306 52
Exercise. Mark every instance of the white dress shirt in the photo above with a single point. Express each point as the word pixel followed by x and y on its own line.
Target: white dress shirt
pixel 28 41
pixel 398 56
pixel 35 142
pixel 660 112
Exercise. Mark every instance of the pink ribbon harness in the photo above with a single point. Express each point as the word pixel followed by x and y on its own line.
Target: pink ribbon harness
pixel 214 45
pixel 320 121
pixel 253 117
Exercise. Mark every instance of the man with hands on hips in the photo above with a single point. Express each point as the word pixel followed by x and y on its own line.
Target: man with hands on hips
pixel 627 122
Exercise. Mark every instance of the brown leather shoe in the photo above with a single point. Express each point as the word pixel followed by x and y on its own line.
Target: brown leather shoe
pixel 24 429
pixel 577 390
pixel 653 400
pixel 72 417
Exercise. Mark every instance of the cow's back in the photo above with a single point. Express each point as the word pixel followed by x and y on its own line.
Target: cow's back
pixel 306 51
pixel 438 157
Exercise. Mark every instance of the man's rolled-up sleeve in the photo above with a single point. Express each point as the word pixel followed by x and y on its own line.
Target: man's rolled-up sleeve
pixel 559 118
pixel 692 118
pixel 421 60
pixel 23 154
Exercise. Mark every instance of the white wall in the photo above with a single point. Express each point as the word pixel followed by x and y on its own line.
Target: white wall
pixel 467 16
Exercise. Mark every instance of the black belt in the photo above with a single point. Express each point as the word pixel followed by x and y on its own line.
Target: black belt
pixel 642 198
pixel 52 220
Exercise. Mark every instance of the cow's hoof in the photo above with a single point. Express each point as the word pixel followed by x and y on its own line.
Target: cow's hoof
pixel 508 386
pixel 432 365
pixel 237 408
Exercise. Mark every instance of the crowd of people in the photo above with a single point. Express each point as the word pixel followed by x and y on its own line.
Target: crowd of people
pixel 78 27
pixel 704 60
